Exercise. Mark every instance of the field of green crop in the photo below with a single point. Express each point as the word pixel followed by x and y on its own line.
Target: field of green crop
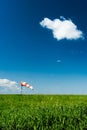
pixel 43 112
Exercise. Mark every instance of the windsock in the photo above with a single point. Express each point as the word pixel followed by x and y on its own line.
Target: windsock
pixel 26 85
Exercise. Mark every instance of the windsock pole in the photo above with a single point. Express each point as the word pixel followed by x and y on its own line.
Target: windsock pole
pixel 21 89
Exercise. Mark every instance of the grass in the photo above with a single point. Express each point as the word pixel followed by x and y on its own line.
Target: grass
pixel 43 112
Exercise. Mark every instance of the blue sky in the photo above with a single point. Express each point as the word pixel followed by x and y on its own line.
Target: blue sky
pixel 30 52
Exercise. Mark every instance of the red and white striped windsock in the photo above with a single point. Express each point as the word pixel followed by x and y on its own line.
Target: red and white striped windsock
pixel 26 85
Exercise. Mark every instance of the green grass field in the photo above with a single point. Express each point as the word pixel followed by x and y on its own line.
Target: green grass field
pixel 43 112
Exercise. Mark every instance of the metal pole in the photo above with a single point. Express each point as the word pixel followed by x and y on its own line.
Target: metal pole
pixel 21 90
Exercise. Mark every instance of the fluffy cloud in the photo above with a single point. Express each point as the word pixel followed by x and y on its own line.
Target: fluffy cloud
pixel 8 85
pixel 62 28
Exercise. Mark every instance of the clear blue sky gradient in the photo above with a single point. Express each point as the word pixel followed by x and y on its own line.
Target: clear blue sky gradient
pixel 30 53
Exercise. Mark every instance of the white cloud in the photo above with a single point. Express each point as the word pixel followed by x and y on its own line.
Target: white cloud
pixel 8 86
pixel 62 28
